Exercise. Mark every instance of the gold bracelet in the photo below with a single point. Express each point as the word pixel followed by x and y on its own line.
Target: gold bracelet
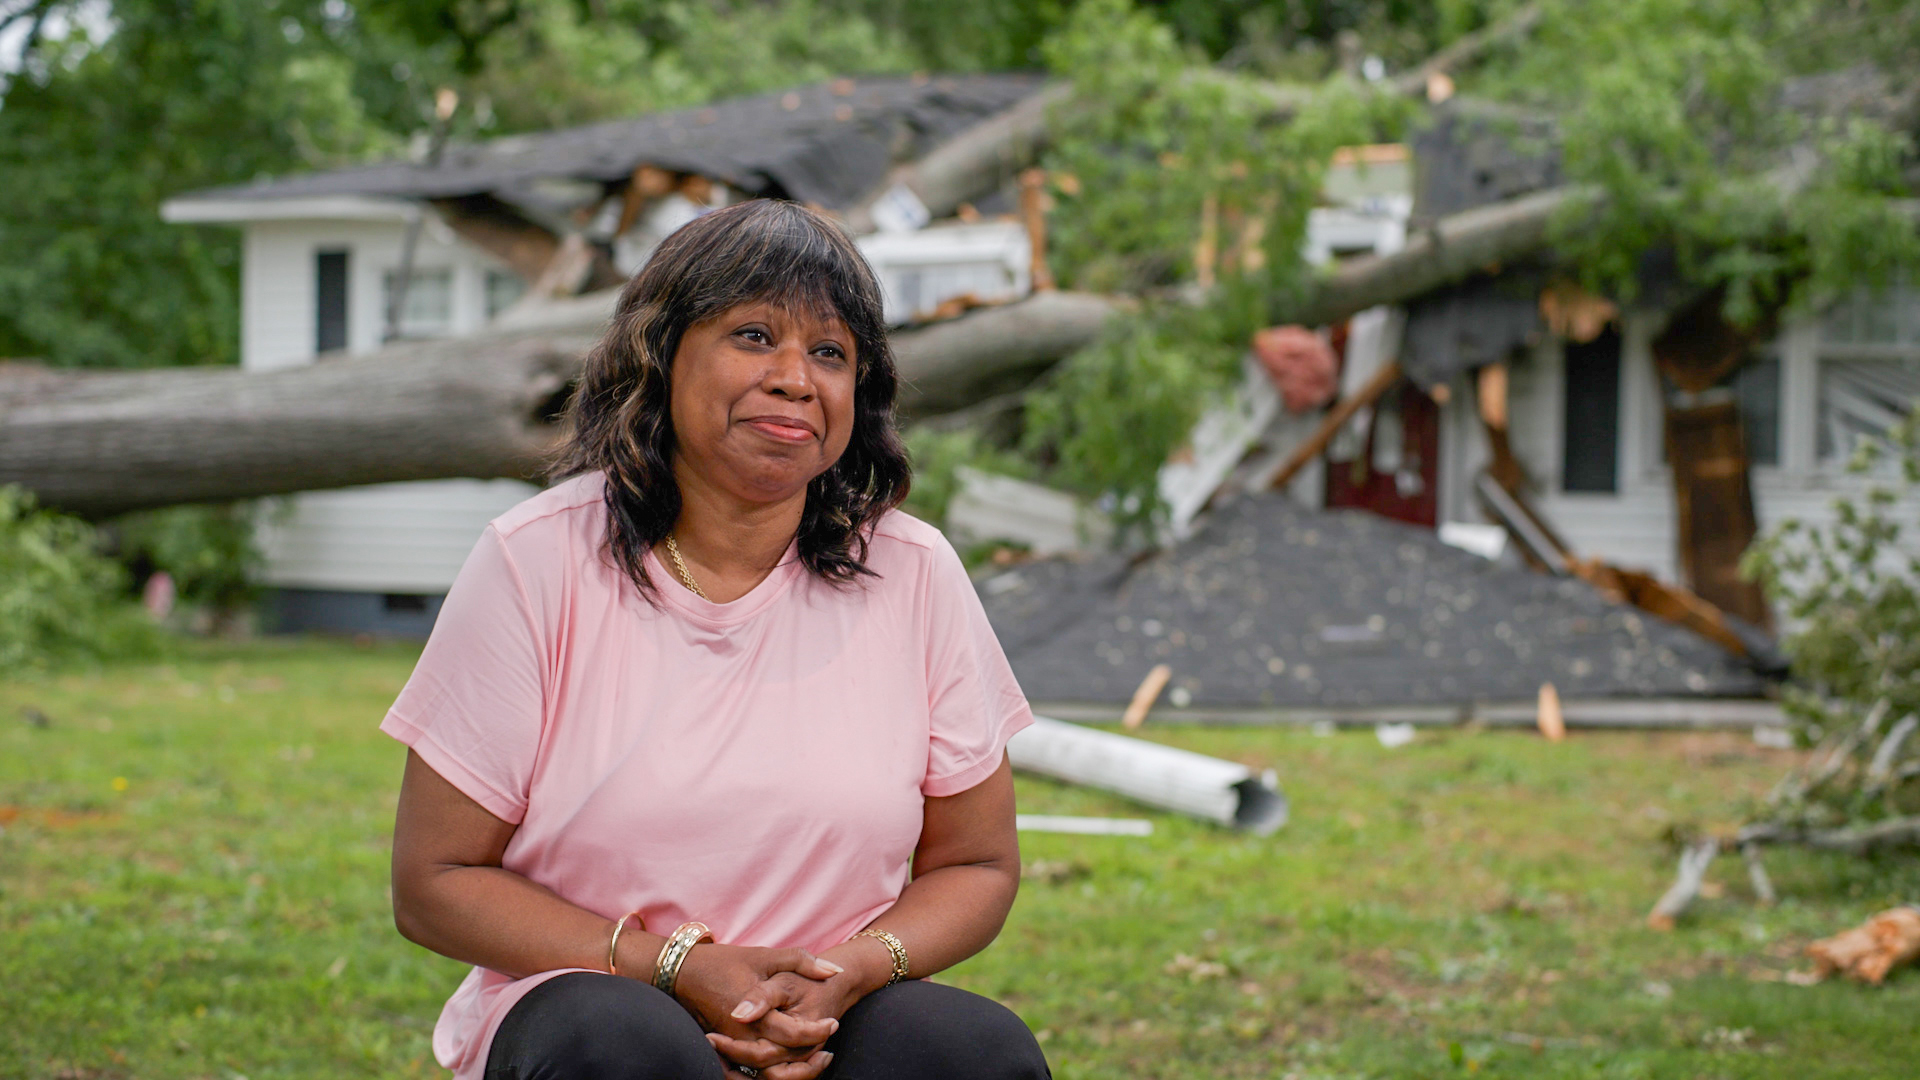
pixel 898 951
pixel 666 971
pixel 614 943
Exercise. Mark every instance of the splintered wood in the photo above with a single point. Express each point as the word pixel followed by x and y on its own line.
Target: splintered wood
pixel 1552 720
pixel 1145 696
pixel 1870 951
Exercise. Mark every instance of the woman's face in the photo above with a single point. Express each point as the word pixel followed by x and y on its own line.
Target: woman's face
pixel 763 399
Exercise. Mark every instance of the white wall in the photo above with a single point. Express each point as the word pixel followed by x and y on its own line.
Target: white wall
pixel 277 283
pixel 402 538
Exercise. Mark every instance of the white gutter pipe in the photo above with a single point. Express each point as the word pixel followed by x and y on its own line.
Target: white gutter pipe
pixel 1180 780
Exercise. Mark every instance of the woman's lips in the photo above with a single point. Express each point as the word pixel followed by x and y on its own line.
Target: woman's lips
pixel 783 429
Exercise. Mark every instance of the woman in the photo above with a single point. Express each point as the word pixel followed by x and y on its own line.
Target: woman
pixel 707 750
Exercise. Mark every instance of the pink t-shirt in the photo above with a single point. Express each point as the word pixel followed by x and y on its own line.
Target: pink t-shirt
pixel 759 766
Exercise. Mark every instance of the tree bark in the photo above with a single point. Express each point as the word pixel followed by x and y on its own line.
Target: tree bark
pixel 104 443
pixel 973 164
pixel 1453 249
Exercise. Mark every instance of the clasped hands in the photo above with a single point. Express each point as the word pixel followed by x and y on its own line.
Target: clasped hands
pixel 769 1009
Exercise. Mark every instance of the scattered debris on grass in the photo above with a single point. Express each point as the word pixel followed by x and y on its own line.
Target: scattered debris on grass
pixel 1086 826
pixel 1393 736
pixel 1194 968
pixel 1054 871
pixel 1869 951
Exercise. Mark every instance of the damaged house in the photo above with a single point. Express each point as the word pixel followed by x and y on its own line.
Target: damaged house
pixel 1610 463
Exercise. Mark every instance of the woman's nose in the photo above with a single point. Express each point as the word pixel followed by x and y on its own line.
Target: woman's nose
pixel 787 376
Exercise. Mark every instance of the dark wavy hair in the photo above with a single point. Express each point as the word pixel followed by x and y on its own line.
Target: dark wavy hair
pixel 620 422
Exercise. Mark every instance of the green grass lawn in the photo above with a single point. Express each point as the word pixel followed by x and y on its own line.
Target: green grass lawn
pixel 193 884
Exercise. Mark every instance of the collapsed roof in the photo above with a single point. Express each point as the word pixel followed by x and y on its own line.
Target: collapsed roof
pixel 829 144
pixel 1273 605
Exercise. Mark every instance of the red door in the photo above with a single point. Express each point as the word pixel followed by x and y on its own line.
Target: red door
pixel 1397 471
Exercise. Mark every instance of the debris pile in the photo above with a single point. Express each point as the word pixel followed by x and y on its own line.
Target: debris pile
pixel 1271 605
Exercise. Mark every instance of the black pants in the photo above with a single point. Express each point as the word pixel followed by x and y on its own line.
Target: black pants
pixel 588 1026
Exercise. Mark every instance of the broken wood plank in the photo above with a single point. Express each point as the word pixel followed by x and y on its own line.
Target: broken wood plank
pixel 1033 212
pixel 1316 444
pixel 1145 696
pixel 1552 721
pixel 1693 871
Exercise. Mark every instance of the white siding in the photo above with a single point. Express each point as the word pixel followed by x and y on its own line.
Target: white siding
pixel 1634 527
pixel 389 538
pixel 404 538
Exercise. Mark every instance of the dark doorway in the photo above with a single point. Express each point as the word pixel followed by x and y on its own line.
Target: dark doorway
pixel 329 301
pixel 1590 448
pixel 1397 473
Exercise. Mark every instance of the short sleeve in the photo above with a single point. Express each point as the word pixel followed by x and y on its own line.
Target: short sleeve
pixel 474 707
pixel 975 702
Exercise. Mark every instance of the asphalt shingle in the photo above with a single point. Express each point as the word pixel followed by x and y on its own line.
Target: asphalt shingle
pixel 1274 605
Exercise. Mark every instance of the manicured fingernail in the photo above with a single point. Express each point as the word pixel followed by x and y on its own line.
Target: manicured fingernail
pixel 832 1026
pixel 831 966
pixel 743 1010
pixel 826 1058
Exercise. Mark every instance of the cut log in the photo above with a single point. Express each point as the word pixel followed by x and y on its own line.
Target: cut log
pixel 1867 953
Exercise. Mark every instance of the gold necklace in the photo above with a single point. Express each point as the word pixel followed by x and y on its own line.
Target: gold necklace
pixel 686 578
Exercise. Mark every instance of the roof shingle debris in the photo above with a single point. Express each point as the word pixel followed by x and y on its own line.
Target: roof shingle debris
pixel 1273 605
pixel 830 144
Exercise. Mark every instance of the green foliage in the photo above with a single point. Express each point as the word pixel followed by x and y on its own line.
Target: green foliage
pixel 563 64
pixel 207 550
pixel 1673 110
pixel 60 599
pixel 1852 591
pixel 95 134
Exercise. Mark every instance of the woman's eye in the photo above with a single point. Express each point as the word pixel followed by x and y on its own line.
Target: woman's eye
pixel 755 335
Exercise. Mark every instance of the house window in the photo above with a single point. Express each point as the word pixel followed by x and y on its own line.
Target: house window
pixel 429 302
pixel 1590 449
pixel 504 288
pixel 1869 363
pixel 1756 387
pixel 329 301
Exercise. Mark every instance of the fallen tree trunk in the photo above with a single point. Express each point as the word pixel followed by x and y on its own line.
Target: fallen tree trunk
pixel 973 164
pixel 989 154
pixel 103 443
pixel 1452 249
